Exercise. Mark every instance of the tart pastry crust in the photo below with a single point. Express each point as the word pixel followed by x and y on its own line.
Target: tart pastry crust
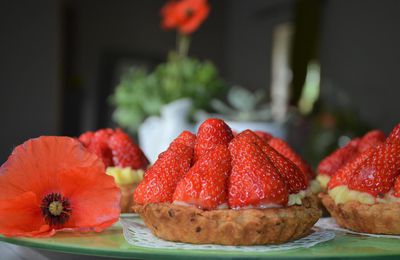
pixel 230 227
pixel 379 218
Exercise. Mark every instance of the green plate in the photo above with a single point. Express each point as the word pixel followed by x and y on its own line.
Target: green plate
pixel 112 243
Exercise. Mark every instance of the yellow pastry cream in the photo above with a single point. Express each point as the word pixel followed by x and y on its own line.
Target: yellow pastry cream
pixel 323 180
pixel 313 188
pixel 342 194
pixel 125 176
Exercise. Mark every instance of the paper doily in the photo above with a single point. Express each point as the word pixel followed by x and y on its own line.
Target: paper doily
pixel 330 224
pixel 137 234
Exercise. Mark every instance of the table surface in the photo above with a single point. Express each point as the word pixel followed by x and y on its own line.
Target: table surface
pixel 112 243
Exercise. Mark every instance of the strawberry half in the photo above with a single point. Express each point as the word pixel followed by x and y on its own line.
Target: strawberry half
pixel 284 148
pixel 344 174
pixel 160 180
pixel 204 186
pixel 396 187
pixel 394 136
pixel 99 144
pixel 254 180
pixel 294 178
pixel 263 135
pixel 186 138
pixel 125 153
pixel 371 139
pixel 377 173
pixel 86 138
pixel 339 158
pixel 211 133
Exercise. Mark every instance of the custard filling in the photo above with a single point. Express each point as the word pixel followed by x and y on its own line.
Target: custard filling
pixel 342 194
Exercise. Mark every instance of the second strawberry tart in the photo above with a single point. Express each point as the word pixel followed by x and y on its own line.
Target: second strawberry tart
pixel 364 194
pixel 220 189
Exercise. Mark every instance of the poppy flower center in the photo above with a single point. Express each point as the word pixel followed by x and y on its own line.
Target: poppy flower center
pixel 56 209
pixel 189 12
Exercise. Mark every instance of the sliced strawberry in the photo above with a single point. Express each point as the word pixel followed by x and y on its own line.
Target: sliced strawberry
pixel 394 136
pixel 186 138
pixel 160 180
pixel 371 139
pixel 339 158
pixel 211 133
pixel 204 186
pixel 377 173
pixel 284 148
pixel 294 178
pixel 264 135
pixel 344 174
pixel 254 180
pixel 125 153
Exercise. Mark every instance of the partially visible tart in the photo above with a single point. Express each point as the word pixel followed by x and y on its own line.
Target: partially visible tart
pixel 364 195
pixel 124 160
pixel 346 154
pixel 220 189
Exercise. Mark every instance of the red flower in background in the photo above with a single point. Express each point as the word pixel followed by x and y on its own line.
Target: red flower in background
pixel 53 183
pixel 184 15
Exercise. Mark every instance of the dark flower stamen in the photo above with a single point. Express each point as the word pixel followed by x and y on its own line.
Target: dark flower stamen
pixel 189 12
pixel 56 209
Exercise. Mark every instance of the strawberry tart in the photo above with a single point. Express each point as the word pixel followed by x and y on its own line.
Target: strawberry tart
pixel 223 189
pixel 364 194
pixel 342 156
pixel 124 160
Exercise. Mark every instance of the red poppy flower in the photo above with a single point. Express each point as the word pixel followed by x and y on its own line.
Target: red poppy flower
pixel 53 183
pixel 184 15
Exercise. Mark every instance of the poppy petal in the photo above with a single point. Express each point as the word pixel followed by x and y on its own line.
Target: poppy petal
pixel 51 167
pixel 21 216
pixel 94 198
pixel 34 165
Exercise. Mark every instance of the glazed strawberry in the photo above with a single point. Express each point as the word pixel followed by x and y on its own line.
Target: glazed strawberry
pixel 186 138
pixel 344 174
pixel 371 139
pixel 283 148
pixel 98 144
pixel 86 138
pixel 339 158
pixel 204 186
pixel 254 180
pixel 160 180
pixel 125 153
pixel 394 136
pixel 264 135
pixel 294 178
pixel 377 173
pixel 396 187
pixel 211 133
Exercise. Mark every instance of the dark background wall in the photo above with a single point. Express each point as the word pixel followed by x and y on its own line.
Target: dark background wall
pixel 50 49
pixel 29 71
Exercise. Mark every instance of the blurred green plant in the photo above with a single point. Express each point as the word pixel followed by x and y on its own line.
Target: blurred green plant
pixel 244 105
pixel 140 94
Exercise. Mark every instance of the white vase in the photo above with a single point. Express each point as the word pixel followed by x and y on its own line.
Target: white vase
pixel 156 133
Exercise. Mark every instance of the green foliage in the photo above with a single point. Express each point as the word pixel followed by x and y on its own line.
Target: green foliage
pixel 244 105
pixel 140 94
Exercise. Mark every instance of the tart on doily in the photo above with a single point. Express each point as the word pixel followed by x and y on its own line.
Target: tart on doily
pixel 364 194
pixel 344 155
pixel 124 160
pixel 220 189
